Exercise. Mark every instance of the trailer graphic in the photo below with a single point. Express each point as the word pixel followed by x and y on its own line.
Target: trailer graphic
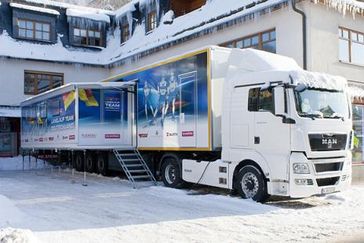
pixel 173 104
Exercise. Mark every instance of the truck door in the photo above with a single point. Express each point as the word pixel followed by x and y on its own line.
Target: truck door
pixel 271 135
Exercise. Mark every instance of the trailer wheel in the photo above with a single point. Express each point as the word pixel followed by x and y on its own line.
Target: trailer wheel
pixel 171 173
pixel 89 163
pixel 250 184
pixel 101 164
pixel 79 162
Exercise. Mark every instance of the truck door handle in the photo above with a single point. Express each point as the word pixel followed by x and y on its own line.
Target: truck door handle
pixel 256 140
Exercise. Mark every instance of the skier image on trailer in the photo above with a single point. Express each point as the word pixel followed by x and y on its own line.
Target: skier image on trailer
pixel 172 93
pixel 163 98
pixel 148 100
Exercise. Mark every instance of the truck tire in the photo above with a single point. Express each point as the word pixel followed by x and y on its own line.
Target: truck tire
pixel 79 162
pixel 101 164
pixel 89 163
pixel 171 173
pixel 250 184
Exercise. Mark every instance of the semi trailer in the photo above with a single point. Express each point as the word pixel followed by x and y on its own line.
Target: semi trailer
pixel 244 120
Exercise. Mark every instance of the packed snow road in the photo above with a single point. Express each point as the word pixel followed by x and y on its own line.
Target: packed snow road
pixel 40 206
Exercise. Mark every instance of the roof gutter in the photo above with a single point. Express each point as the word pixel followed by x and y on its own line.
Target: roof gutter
pixel 304 32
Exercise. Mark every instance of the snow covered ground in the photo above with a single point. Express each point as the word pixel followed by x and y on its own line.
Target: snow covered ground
pixel 50 206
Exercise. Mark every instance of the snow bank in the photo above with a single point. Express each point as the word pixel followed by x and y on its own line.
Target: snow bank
pixel 16 163
pixel 93 15
pixel 9 213
pixel 36 9
pixel 9 235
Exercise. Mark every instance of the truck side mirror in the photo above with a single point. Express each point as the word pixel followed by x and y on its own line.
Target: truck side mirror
pixel 279 100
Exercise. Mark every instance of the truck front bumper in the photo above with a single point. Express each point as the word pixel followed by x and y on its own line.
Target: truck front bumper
pixel 325 176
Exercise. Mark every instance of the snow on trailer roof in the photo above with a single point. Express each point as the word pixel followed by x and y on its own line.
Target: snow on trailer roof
pixel 36 9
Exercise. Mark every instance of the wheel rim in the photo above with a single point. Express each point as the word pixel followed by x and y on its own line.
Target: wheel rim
pixel 250 185
pixel 89 163
pixel 170 174
pixel 79 162
pixel 101 164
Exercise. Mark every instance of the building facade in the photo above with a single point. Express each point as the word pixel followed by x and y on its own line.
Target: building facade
pixel 46 44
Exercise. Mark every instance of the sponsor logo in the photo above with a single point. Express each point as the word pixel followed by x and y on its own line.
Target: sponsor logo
pixel 112 136
pixel 187 134
pixel 188 170
pixel 26 140
pixel 71 137
pixel 88 135
pixel 143 135
pixel 51 138
pixel 41 140
pixel 172 134
pixel 65 137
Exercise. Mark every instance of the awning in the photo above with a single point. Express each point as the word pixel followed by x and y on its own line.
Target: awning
pixel 10 111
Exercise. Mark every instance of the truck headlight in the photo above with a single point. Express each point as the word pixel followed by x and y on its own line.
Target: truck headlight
pixel 301 168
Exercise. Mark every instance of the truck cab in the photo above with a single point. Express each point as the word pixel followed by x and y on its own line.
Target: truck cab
pixel 285 131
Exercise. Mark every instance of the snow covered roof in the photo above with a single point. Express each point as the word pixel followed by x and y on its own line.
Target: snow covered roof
pixel 213 16
pixel 36 9
pixel 63 5
pixel 93 14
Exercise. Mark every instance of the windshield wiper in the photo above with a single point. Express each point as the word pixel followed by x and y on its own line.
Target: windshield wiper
pixel 336 116
pixel 310 115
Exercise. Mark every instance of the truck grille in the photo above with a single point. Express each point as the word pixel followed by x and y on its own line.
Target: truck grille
pixel 328 167
pixel 327 142
pixel 328 181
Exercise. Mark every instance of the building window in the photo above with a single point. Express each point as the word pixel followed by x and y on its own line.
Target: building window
pixel 260 100
pixel 358 125
pixel 351 46
pixel 39 82
pixel 34 30
pixel 87 37
pixel 262 41
pixel 125 34
pixel 152 21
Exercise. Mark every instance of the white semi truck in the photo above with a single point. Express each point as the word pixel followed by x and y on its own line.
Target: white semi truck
pixel 244 120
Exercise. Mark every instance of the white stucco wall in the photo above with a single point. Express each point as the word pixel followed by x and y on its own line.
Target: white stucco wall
pixel 285 21
pixel 12 76
pixel 323 41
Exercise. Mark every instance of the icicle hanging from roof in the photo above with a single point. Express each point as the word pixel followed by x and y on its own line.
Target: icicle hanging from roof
pixel 343 6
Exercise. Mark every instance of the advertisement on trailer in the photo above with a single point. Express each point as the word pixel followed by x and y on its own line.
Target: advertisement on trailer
pixel 172 106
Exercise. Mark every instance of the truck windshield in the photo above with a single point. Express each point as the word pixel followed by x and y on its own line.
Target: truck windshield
pixel 318 103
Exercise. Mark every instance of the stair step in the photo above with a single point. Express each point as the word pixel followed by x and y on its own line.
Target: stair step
pixel 137 171
pixel 126 160
pixel 133 165
pixel 128 155
pixel 141 177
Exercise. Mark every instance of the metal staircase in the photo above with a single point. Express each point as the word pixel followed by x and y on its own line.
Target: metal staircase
pixel 134 166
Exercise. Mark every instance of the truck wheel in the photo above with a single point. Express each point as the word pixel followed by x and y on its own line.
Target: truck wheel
pixel 101 165
pixel 171 173
pixel 79 162
pixel 250 184
pixel 89 163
